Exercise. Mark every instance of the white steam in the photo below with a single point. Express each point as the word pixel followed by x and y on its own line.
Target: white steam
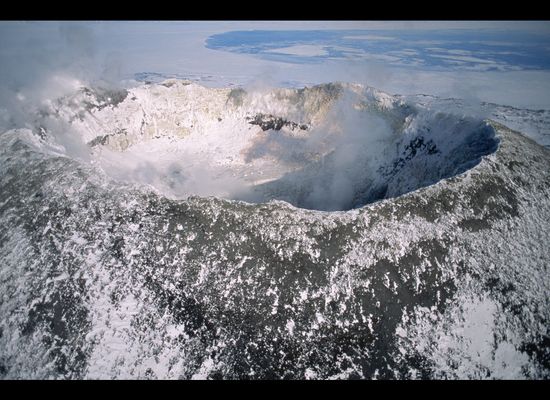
pixel 333 165
pixel 339 156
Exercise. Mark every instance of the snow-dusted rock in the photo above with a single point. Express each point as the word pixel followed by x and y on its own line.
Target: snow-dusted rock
pixel 446 278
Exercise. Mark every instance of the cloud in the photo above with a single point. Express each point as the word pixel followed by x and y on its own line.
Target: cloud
pixel 305 50
pixel 404 52
pixel 43 60
pixel 465 58
pixel 369 37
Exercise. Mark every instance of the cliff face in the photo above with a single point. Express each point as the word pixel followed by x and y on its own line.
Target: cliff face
pixel 105 279
pixel 330 147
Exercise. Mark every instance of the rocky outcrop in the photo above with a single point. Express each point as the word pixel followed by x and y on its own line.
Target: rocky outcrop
pixel 270 122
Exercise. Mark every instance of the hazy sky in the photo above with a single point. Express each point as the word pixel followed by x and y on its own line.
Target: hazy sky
pixel 498 61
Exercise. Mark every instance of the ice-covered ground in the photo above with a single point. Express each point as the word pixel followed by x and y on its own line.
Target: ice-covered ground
pixel 434 265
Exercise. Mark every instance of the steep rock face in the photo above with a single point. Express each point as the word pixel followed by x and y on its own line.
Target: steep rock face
pixel 175 108
pixel 330 147
pixel 101 279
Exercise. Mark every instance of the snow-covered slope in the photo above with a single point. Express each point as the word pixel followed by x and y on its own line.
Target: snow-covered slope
pixel 444 275
pixel 532 123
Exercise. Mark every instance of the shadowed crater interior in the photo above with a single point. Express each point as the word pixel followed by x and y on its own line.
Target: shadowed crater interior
pixel 330 147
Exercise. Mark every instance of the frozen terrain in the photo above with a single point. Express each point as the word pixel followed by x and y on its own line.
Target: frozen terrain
pixel 332 232
pixel 329 147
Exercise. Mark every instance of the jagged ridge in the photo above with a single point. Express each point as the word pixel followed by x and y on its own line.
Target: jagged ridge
pixel 328 147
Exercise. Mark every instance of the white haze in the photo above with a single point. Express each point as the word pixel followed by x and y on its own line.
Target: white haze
pixel 43 61
pixel 35 53
pixel 336 158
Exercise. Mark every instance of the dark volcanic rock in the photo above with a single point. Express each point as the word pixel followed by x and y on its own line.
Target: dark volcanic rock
pixel 268 122
pixel 101 280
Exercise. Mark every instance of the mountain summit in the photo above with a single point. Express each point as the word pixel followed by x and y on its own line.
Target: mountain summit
pixel 332 232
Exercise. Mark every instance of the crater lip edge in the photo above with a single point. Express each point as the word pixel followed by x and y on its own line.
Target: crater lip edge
pixel 440 144
pixel 496 131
